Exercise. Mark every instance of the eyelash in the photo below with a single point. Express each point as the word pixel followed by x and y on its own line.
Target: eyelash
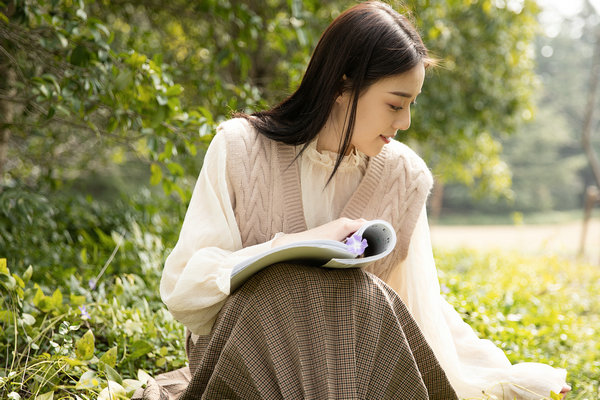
pixel 394 108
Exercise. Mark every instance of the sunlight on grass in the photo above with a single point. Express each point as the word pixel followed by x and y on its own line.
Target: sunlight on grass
pixel 537 309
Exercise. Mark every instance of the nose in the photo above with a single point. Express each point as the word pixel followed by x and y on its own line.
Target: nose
pixel 402 121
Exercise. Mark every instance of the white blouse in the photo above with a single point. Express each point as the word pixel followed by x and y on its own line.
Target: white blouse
pixel 195 280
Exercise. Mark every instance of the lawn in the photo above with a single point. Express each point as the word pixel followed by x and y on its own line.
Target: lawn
pixel 71 341
pixel 536 308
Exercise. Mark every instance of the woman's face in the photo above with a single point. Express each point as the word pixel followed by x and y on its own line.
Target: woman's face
pixel 383 109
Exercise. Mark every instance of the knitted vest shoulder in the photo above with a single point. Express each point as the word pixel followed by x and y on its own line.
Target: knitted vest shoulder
pixel 267 198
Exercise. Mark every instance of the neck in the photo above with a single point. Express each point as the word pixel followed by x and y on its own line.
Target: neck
pixel 328 138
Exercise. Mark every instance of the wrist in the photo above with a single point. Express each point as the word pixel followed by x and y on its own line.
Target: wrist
pixel 279 239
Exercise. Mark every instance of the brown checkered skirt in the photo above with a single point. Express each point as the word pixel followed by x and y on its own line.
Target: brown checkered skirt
pixel 299 332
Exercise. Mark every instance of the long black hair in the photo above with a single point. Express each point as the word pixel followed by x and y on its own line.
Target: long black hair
pixel 365 43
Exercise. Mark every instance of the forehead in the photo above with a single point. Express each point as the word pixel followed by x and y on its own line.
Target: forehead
pixel 406 84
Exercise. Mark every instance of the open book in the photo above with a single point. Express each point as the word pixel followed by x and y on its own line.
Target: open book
pixel 380 239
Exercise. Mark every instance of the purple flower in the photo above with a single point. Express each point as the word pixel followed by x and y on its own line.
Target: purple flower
pixel 356 244
pixel 92 284
pixel 84 313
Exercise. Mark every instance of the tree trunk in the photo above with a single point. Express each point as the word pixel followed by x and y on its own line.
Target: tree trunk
pixel 6 113
pixel 7 85
pixel 592 196
pixel 437 200
pixel 588 120
pixel 588 126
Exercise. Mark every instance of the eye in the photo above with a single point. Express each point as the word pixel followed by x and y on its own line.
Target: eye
pixel 395 108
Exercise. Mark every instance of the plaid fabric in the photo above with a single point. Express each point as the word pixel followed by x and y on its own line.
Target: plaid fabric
pixel 299 332
pixel 166 386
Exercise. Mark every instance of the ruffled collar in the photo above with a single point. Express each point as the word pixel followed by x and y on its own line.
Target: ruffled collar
pixel 326 159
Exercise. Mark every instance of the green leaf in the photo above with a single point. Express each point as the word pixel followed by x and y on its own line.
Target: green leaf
pixel 162 100
pixel 174 90
pixel 44 91
pixel 63 110
pixel 62 39
pixel 167 152
pixel 123 80
pixel 73 362
pixel 18 280
pixel 3 267
pixel 110 357
pixel 136 59
pixel 76 300
pixel 112 391
pixel 174 104
pixel 175 169
pixel 81 14
pixel 139 348
pixel 84 348
pixel 88 380
pixel 131 385
pixel 40 300
pixel 191 147
pixel 80 56
pixel 28 319
pixel 27 274
pixel 51 112
pixel 159 116
pixel 156 176
pixel 167 186
pixel 183 194
pixel 555 396
pixel 113 123
pixel 143 376
pixel 56 299
pixel 3 17
pixel 6 316
pixel 111 374
pixel 8 282
pixel 143 94
pixel 45 396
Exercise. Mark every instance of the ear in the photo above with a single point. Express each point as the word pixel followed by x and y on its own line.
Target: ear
pixel 344 92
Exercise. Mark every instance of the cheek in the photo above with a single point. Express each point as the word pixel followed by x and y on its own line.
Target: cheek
pixel 370 115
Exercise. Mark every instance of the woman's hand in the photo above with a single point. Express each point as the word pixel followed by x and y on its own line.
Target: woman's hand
pixel 338 230
pixel 564 391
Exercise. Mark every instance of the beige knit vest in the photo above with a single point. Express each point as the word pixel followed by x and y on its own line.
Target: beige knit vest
pixel 267 198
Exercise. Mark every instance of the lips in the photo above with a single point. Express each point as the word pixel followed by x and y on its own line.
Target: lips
pixel 385 139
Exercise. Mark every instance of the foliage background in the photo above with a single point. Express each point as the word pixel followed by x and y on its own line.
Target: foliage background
pixel 106 109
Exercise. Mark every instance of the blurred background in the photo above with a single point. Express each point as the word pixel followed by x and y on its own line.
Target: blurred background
pixel 550 156
pixel 106 110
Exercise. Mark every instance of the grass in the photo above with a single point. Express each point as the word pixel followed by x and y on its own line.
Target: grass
pixel 536 308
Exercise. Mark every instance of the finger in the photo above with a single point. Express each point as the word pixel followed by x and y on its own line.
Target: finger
pixel 354 225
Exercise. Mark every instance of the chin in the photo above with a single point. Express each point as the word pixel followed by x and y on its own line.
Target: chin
pixel 371 149
pixel 374 151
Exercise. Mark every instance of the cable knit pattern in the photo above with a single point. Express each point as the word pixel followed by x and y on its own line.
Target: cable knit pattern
pixel 394 188
pixel 267 195
pixel 263 176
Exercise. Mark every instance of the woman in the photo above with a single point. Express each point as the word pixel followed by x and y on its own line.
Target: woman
pixel 316 166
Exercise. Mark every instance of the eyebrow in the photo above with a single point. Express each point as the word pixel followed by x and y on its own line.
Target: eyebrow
pixel 403 94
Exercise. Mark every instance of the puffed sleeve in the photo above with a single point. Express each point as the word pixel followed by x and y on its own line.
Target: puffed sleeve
pixel 473 365
pixel 195 278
